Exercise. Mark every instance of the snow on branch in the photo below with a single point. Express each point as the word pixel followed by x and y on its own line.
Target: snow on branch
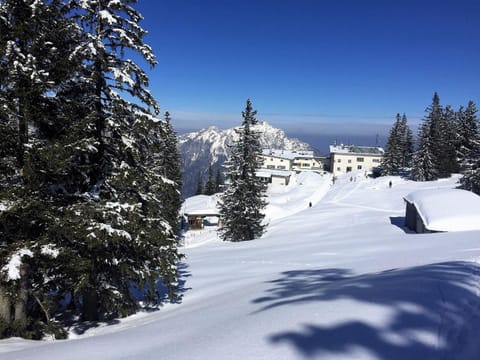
pixel 12 268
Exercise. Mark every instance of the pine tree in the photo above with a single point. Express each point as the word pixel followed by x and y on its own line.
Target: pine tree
pixel 210 184
pixel 469 148
pixel 218 181
pixel 407 142
pixel 121 232
pixel 468 136
pixel 393 156
pixel 447 144
pixel 171 168
pixel 242 203
pixel 36 40
pixel 425 161
pixel 199 190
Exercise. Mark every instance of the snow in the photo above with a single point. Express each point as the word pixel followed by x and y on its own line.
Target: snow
pixel 342 279
pixel 12 268
pixel 49 250
pixel 109 230
pixel 107 16
pixel 352 149
pixel 288 154
pixel 447 209
pixel 200 204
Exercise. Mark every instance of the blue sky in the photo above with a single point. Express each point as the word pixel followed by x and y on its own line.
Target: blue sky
pixel 311 66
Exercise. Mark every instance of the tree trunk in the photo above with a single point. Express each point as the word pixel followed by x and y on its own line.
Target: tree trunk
pixel 90 305
pixel 22 298
pixel 5 306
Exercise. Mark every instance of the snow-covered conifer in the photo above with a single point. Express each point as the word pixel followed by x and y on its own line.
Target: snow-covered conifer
pixel 425 159
pixel 392 158
pixel 35 41
pixel 469 148
pixel 210 184
pixel 123 236
pixel 243 201
pixel 218 181
pixel 407 142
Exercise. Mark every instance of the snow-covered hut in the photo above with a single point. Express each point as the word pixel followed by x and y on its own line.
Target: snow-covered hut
pixel 442 210
pixel 200 210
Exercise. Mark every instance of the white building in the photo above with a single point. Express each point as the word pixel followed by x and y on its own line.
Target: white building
pixel 274 177
pixel 346 158
pixel 275 159
pixel 278 165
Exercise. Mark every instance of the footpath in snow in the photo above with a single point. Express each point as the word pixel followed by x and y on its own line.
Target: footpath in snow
pixel 339 280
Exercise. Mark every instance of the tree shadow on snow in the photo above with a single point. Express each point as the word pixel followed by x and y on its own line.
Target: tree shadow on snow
pixel 183 274
pixel 435 311
pixel 162 290
pixel 70 318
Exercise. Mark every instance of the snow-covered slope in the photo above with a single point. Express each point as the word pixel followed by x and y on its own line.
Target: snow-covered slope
pixel 210 146
pixel 339 280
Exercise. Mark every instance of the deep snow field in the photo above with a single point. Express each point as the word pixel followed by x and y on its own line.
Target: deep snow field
pixel 339 280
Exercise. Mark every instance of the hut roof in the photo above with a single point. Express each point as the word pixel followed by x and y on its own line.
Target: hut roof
pixel 447 209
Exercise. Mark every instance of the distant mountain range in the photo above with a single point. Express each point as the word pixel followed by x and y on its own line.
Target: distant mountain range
pixel 211 146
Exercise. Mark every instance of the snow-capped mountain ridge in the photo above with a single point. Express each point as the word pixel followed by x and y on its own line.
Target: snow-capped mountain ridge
pixel 211 146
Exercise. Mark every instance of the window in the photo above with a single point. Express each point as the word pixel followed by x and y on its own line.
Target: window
pixel 359 167
pixel 339 169
pixel 376 160
pixel 281 167
pixel 349 161
pixel 360 159
pixel 270 166
pixel 305 165
pixel 339 160
pixel 281 160
pixel 349 168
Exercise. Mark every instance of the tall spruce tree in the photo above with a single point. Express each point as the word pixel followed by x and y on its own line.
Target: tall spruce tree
pixel 218 181
pixel 36 39
pixel 399 147
pixel 210 184
pixel 199 189
pixel 121 234
pixel 85 170
pixel 407 142
pixel 392 158
pixel 447 163
pixel 171 171
pixel 242 203
pixel 469 148
pixel 425 160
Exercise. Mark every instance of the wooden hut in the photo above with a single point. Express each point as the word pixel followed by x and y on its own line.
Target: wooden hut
pixel 436 210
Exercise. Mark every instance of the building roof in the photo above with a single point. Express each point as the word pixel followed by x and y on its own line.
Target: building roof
pixel 356 150
pixel 200 205
pixel 287 154
pixel 266 173
pixel 204 212
pixel 447 209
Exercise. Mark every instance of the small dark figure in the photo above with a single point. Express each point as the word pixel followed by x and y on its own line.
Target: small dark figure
pixel 351 178
pixel 390 184
pixel 310 204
